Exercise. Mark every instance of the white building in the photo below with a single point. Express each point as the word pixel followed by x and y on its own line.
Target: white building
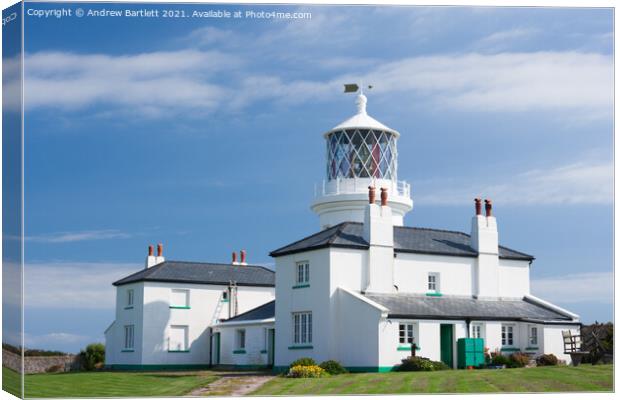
pixel 164 313
pixel 361 291
pixel 365 288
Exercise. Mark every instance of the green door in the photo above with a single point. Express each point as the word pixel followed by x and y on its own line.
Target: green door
pixel 216 348
pixel 446 344
pixel 272 345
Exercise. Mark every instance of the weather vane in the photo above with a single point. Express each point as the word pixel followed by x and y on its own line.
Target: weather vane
pixel 354 87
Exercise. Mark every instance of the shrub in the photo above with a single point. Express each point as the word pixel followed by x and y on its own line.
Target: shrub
pixel 500 359
pixel 304 362
pixel 93 355
pixel 333 367
pixel 519 360
pixel 421 364
pixel 55 368
pixel 546 359
pixel 306 371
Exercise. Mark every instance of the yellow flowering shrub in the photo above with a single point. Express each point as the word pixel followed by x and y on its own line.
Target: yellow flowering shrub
pixel 306 371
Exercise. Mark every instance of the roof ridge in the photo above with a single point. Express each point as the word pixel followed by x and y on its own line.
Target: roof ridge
pixel 145 271
pixel 217 263
pixel 335 227
pixel 341 227
pixel 419 228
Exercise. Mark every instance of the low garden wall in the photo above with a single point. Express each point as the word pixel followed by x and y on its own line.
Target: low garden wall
pixel 39 364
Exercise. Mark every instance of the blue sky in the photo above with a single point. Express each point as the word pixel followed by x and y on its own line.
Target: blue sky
pixel 205 135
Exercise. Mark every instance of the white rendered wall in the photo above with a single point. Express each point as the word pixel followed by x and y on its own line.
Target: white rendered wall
pixel 411 273
pixel 554 343
pixel 316 298
pixel 115 336
pixel 152 317
pixel 514 278
pixel 255 344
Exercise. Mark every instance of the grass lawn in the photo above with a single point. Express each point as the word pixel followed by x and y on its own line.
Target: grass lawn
pixel 110 384
pixel 542 379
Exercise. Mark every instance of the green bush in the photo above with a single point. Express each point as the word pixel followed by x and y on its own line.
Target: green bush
pixel 421 364
pixel 304 361
pixel 93 356
pixel 306 371
pixel 500 359
pixel 546 359
pixel 333 367
pixel 519 360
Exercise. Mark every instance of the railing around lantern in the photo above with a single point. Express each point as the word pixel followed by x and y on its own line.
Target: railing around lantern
pixel 360 185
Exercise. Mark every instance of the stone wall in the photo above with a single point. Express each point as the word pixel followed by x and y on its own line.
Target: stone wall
pixel 34 365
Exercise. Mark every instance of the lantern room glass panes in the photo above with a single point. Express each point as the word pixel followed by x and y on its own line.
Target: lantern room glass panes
pixel 361 153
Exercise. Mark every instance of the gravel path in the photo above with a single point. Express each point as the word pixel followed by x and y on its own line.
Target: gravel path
pixel 232 384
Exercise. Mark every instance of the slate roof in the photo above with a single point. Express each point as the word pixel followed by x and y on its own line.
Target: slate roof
pixel 406 240
pixel 205 273
pixel 265 311
pixel 460 307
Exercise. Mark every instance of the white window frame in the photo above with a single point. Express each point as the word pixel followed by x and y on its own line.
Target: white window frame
pixel 240 339
pixel 130 297
pixel 129 337
pixel 532 335
pixel 436 281
pixel 509 336
pixel 187 298
pixel 476 331
pixel 185 343
pixel 302 272
pixel 302 328
pixel 408 333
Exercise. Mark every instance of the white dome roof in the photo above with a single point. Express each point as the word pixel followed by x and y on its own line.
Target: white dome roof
pixel 362 120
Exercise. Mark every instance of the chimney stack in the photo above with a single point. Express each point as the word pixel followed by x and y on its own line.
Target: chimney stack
pixel 151 260
pixel 378 231
pixel 484 239
pixel 243 261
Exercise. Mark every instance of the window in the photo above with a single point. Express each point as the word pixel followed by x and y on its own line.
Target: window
pixel 302 328
pixel 533 335
pixel 507 335
pixel 225 296
pixel 433 282
pixel 405 334
pixel 179 298
pixel 129 297
pixel 303 272
pixel 240 339
pixel 177 341
pixel 476 331
pixel 129 337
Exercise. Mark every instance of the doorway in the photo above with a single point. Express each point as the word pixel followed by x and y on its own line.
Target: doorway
pixel 271 344
pixel 216 348
pixel 446 344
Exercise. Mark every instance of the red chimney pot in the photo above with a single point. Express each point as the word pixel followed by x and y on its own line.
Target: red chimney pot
pixel 160 250
pixel 478 202
pixel 242 256
pixel 384 196
pixel 371 195
pixel 234 257
pixel 488 207
pixel 150 250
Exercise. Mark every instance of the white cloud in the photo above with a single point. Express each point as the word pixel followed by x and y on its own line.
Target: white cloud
pixel 67 237
pixel 11 70
pixel 186 81
pixel 578 183
pixel 503 39
pixel 73 285
pixel 33 341
pixel 596 287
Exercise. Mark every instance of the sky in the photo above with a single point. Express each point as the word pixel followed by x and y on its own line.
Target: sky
pixel 205 134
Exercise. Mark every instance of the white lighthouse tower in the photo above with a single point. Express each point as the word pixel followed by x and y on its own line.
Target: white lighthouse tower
pixel 361 152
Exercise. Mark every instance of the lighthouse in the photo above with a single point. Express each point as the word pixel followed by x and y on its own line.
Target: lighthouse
pixel 361 152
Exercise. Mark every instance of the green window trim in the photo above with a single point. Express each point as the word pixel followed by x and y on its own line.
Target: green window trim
pixel 510 349
pixel 301 347
pixel 407 348
pixel 178 351
pixel 263 351
pixel 434 294
pixel 531 348
pixel 224 300
pixel 239 351
pixel 127 351
pixel 301 285
pixel 129 308
pixel 181 307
